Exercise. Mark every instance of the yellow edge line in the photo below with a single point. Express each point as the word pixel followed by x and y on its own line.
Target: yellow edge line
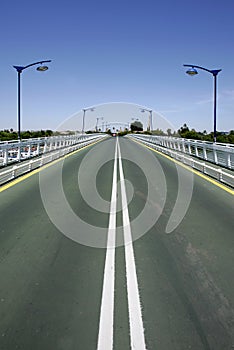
pixel 33 172
pixel 207 178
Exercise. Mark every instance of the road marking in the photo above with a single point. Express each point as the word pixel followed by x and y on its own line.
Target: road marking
pixel 33 172
pixel 205 177
pixel 134 306
pixel 106 323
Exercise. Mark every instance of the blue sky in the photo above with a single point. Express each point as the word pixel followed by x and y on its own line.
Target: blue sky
pixel 117 51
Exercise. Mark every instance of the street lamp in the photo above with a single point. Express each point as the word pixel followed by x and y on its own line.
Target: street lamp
pixel 19 71
pixel 101 118
pixel 84 111
pixel 192 71
pixel 150 126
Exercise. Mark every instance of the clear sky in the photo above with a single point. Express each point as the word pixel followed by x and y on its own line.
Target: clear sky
pixel 117 51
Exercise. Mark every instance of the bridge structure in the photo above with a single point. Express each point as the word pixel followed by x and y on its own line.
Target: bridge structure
pixel 117 126
pixel 116 243
pixel 200 154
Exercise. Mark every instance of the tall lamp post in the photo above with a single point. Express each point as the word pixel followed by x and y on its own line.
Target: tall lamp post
pixel 192 71
pixel 84 111
pixel 19 71
pixel 150 125
pixel 101 118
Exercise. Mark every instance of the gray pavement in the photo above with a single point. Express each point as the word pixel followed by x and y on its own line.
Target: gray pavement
pixel 51 286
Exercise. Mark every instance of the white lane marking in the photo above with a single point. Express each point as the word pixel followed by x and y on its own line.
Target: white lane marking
pixel 106 323
pixel 134 306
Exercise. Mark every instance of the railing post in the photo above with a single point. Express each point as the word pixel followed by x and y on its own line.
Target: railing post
pixel 229 160
pixel 19 152
pixel 5 159
pixel 183 146
pixel 45 147
pixel 204 152
pixel 215 156
pixel 189 148
pixel 29 149
pixel 220 175
pixel 38 148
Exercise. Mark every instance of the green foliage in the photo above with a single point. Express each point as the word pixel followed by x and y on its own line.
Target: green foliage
pixel 123 133
pixel 7 135
pixel 186 133
pixel 108 132
pixel 158 132
pixel 136 126
pixel 225 138
pixel 147 132
pixel 169 133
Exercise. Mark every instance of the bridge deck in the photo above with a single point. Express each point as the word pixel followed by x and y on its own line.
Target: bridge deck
pixel 54 261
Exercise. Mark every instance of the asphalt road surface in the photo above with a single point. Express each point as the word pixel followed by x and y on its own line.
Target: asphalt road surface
pixel 116 247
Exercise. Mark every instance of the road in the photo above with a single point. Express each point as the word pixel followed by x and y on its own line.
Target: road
pixel 116 247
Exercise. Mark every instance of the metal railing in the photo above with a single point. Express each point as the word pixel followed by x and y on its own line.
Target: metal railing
pixel 15 151
pixel 12 172
pixel 218 173
pixel 218 153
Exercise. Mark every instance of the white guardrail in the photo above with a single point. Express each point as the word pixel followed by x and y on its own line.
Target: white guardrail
pixel 223 155
pixel 218 153
pixel 15 151
pixel 53 149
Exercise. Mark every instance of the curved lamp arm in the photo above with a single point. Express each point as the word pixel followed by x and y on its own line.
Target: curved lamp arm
pixel 19 71
pixel 214 71
pixel 21 68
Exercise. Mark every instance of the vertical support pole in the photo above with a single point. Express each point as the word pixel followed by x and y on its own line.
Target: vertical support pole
pixel 96 128
pixel 83 123
pixel 19 127
pixel 151 120
pixel 215 102
pixel 148 127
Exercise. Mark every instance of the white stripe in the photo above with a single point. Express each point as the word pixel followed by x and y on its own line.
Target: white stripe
pixel 134 306
pixel 105 336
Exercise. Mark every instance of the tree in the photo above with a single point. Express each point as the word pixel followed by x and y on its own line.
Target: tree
pixel 222 137
pixel 49 132
pixel 159 132
pixel 136 126
pixel 108 131
pixel 169 132
pixel 183 130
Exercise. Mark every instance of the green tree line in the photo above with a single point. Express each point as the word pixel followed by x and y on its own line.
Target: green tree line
pixel 186 133
pixel 7 135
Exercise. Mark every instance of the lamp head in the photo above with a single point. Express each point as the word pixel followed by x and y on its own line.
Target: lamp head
pixel 191 71
pixel 42 68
